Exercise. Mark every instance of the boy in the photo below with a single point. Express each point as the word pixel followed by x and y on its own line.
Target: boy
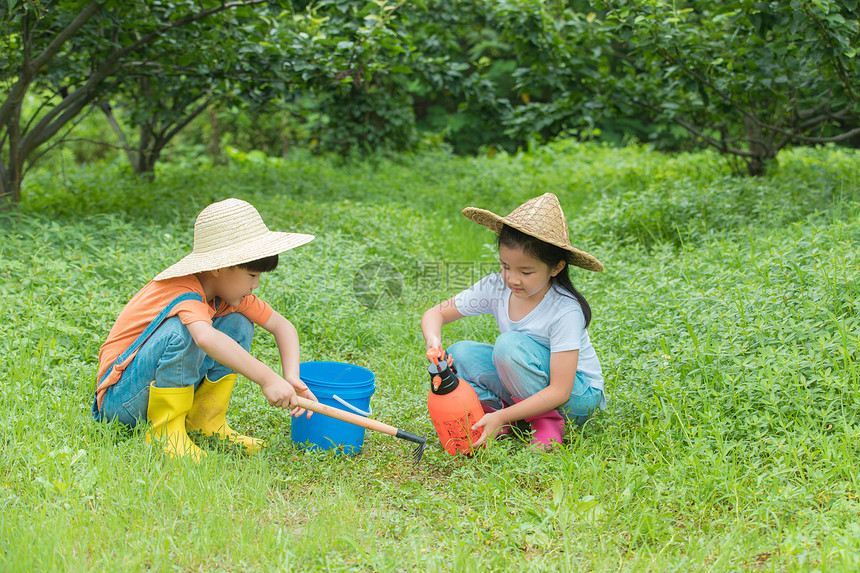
pixel 174 351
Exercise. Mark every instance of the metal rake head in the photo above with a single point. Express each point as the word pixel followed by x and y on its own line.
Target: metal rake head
pixel 419 449
pixel 418 452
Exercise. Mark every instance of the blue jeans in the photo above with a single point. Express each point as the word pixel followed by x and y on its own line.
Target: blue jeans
pixel 517 367
pixel 171 359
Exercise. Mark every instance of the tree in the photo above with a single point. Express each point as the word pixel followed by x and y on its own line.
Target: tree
pixel 747 78
pixel 350 65
pixel 562 66
pixel 744 77
pixel 69 55
pixel 223 60
pixel 464 86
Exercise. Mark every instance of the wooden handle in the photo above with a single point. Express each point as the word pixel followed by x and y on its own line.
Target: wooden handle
pixel 345 416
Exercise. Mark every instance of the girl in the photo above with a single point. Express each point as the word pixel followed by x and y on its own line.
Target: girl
pixel 542 367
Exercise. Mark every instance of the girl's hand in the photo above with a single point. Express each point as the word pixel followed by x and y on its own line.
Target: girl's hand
pixel 434 346
pixel 435 353
pixel 491 423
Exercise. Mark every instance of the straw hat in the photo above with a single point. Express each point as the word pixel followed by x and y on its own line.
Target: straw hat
pixel 541 218
pixel 229 233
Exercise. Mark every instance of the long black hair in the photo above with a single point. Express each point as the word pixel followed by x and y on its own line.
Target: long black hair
pixel 549 255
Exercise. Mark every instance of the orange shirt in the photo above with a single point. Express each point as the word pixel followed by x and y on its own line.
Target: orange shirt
pixel 142 309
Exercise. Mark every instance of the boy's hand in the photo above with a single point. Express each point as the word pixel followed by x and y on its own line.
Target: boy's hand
pixel 306 393
pixel 303 391
pixel 280 394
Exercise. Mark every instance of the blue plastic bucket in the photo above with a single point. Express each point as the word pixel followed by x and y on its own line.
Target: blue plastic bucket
pixel 330 381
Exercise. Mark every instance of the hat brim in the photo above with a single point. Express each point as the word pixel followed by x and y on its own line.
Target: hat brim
pixel 266 245
pixel 495 223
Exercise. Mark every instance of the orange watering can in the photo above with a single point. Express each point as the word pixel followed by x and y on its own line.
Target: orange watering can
pixel 453 405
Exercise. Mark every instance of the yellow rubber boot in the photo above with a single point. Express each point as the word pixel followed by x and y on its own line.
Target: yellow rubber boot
pixel 208 414
pixel 167 410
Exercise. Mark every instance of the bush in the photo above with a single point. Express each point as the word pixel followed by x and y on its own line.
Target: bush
pixel 691 208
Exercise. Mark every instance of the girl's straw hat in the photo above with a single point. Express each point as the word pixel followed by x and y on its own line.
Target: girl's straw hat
pixel 541 218
pixel 229 233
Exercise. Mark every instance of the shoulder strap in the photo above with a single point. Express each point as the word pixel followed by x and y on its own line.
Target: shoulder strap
pixel 156 322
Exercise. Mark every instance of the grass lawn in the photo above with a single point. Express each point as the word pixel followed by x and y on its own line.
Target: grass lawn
pixel 727 324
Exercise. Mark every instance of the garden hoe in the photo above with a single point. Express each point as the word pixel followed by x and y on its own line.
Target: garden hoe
pixel 367 423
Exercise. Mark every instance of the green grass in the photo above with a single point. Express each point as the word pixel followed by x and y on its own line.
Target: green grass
pixel 727 324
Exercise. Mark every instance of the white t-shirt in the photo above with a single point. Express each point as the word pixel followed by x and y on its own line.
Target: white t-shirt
pixel 556 322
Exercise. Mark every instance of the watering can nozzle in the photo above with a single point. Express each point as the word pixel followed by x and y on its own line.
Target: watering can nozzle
pixel 433 355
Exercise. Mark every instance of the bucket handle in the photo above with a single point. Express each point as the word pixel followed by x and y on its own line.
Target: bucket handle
pixel 351 407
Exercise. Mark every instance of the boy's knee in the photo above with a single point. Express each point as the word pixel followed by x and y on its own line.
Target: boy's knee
pixel 173 328
pixel 177 341
pixel 237 326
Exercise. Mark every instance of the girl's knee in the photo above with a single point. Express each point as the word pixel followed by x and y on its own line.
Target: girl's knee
pixel 467 352
pixel 471 359
pixel 510 340
pixel 458 344
pixel 463 353
pixel 513 348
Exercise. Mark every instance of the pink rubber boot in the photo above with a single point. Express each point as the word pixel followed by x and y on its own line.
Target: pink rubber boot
pixel 547 429
pixel 506 429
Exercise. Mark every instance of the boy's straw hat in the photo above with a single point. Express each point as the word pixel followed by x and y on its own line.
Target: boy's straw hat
pixel 229 233
pixel 541 218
